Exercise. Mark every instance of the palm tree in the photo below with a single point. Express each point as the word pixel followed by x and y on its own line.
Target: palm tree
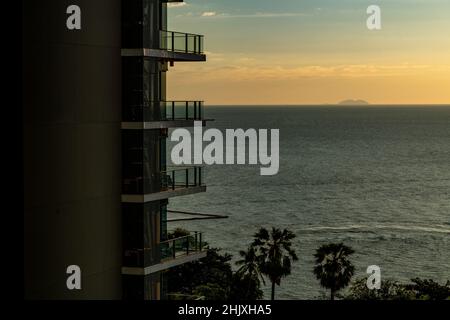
pixel 333 268
pixel 250 268
pixel 274 254
pixel 250 264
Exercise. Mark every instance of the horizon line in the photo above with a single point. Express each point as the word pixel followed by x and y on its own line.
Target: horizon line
pixel 328 104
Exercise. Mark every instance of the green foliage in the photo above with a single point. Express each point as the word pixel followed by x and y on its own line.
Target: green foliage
pixel 178 233
pixel 333 268
pixel 245 287
pixel 212 277
pixel 211 291
pixel 215 269
pixel 271 255
pixel 427 289
pixel 389 290
pixel 392 290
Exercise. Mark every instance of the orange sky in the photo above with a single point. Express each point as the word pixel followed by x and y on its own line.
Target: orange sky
pixel 315 55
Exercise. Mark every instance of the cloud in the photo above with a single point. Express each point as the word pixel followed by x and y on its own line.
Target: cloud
pixel 250 15
pixel 176 4
pixel 215 57
pixel 245 69
pixel 259 15
pixel 188 14
pixel 243 78
pixel 209 14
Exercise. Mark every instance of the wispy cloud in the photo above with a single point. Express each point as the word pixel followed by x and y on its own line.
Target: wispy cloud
pixel 261 15
pixel 270 15
pixel 215 14
pixel 246 70
pixel 177 4
pixel 209 14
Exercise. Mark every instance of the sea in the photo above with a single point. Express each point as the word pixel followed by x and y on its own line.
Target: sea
pixel 376 178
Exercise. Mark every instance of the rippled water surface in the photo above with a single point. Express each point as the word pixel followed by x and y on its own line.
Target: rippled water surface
pixel 376 178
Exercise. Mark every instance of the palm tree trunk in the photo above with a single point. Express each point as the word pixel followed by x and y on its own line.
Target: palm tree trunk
pixel 273 290
pixel 248 288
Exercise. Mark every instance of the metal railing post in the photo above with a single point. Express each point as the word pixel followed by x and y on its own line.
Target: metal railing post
pixel 173 41
pixel 173 180
pixel 187 42
pixel 196 241
pixel 195 44
pixel 173 110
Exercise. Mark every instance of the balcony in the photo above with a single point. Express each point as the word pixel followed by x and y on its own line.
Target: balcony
pixel 174 182
pixel 182 178
pixel 172 253
pixel 181 246
pixel 181 42
pixel 173 46
pixel 163 114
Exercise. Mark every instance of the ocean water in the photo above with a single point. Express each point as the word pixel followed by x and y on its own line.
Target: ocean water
pixel 376 178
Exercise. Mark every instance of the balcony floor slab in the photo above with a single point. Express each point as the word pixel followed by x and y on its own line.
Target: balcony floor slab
pixel 177 192
pixel 164 265
pixel 163 54
pixel 139 125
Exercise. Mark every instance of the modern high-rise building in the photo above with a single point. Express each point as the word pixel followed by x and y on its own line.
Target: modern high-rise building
pixel 148 182
pixel 95 122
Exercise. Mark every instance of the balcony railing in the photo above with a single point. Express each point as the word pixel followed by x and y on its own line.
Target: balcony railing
pixel 185 177
pixel 165 250
pixel 182 110
pixel 182 246
pixel 181 42
pixel 164 111
pixel 171 179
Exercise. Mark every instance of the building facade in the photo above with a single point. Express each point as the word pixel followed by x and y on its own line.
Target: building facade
pixel 148 181
pixel 95 121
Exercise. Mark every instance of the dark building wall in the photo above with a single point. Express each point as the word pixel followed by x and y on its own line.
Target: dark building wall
pixel 141 22
pixel 143 151
pixel 72 149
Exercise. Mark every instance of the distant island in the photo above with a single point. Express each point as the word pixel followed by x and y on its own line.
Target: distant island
pixel 351 102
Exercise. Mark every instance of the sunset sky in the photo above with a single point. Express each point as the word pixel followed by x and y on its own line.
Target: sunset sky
pixel 314 52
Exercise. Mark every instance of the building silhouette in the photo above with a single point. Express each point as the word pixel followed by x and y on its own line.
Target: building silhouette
pixel 95 122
